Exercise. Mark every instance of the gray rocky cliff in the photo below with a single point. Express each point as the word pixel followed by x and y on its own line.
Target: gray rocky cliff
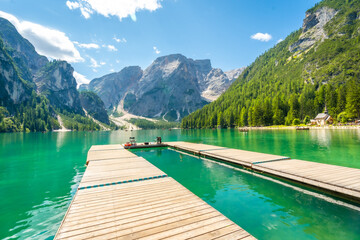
pixel 313 28
pixel 112 88
pixel 55 80
pixel 170 88
pixel 13 89
pixel 21 50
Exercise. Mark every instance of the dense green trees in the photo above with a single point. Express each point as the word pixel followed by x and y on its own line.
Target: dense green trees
pixel 146 124
pixel 281 86
pixel 35 115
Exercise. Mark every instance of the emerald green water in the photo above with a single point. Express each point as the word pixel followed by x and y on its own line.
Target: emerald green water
pixel 40 172
pixel 266 209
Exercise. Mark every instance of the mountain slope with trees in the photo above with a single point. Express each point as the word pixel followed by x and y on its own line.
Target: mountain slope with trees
pixel 314 67
pixel 34 91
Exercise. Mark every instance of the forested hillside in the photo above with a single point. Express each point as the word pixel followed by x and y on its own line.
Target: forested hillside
pixel 314 66
pixel 34 91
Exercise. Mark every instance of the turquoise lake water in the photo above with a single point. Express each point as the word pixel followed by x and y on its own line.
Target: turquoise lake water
pixel 39 174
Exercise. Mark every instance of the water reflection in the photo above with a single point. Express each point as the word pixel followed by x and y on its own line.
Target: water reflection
pixel 321 137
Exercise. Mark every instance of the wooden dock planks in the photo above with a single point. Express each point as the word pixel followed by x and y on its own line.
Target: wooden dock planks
pixel 245 158
pixel 150 208
pixel 337 179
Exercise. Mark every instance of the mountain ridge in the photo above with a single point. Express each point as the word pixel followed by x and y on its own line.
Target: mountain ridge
pixel 34 91
pixel 314 66
pixel 170 88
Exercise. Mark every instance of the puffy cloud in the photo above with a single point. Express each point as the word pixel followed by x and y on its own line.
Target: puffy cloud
pixel 157 51
pixel 72 5
pixel 80 79
pixel 110 47
pixel 94 63
pixel 119 8
pixel 52 43
pixel 102 63
pixel 88 45
pixel 120 40
pixel 280 40
pixel 264 37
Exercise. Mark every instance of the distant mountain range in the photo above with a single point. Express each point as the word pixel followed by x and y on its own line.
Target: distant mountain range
pixel 40 95
pixel 170 88
pixel 315 66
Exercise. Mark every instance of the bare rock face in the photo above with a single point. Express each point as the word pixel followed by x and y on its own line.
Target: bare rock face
pixel 171 87
pixel 112 88
pixel 217 81
pixel 13 90
pixel 313 28
pixel 21 50
pixel 55 80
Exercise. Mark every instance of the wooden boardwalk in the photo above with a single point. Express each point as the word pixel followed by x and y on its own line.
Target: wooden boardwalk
pixel 341 180
pixel 122 196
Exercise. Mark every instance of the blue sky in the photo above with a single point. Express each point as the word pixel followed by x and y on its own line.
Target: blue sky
pixel 102 36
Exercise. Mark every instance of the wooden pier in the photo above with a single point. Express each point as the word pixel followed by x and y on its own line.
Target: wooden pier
pixel 123 196
pixel 342 181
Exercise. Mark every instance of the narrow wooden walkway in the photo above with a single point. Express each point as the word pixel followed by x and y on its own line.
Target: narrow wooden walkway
pixel 122 196
pixel 341 180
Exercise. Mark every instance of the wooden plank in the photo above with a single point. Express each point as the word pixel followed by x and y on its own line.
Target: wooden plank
pixel 117 169
pixel 106 147
pixel 240 156
pixel 330 177
pixel 159 207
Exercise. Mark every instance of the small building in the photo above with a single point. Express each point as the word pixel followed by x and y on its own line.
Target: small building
pixel 322 119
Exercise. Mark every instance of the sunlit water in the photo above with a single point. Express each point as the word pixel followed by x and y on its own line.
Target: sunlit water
pixel 39 174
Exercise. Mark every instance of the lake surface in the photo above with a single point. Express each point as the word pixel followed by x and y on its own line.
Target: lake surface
pixel 39 174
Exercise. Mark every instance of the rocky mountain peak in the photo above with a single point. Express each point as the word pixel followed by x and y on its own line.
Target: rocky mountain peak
pixel 21 50
pixel 318 18
pixel 170 88
pixel 234 74
pixel 56 81
pixel 313 28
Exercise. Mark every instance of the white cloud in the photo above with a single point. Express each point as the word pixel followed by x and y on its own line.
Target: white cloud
pixel 88 45
pixel 280 40
pixel 112 70
pixel 157 51
pixel 120 40
pixel 52 43
pixel 111 48
pixel 264 37
pixel 80 79
pixel 72 5
pixel 102 63
pixel 94 63
pixel 119 8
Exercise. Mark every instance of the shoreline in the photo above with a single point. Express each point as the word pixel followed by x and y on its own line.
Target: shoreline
pixel 310 128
